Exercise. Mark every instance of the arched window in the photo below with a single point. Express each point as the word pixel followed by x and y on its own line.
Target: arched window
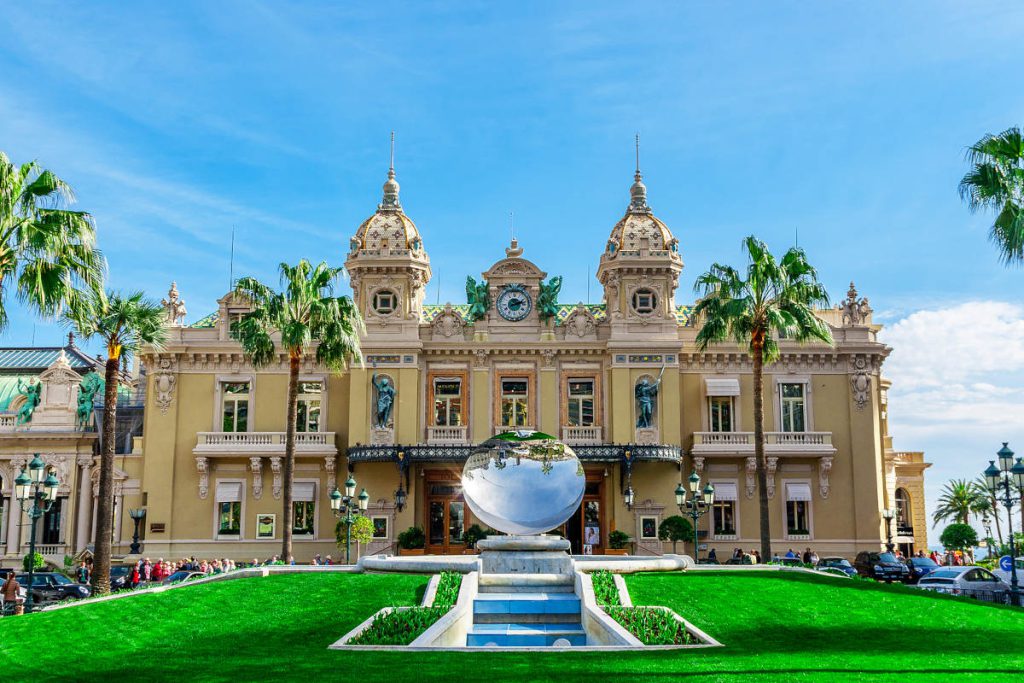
pixel 904 515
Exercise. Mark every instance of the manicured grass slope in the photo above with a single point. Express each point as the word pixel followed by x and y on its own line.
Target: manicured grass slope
pixel 775 626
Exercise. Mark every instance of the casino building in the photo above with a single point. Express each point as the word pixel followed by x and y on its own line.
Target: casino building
pixel 208 467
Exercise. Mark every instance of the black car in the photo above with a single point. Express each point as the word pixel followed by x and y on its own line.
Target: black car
pixel 920 567
pixel 120 577
pixel 881 567
pixel 53 587
pixel 836 564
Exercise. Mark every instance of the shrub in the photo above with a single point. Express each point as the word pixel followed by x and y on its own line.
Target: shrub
pixel 362 530
pixel 618 540
pixel 675 529
pixel 412 538
pixel 33 562
pixel 959 537
pixel 448 590
pixel 605 590
pixel 473 534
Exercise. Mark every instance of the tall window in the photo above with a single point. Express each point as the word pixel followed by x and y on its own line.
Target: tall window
pixel 720 410
pixel 903 515
pixel 307 410
pixel 793 407
pixel 725 517
pixel 581 402
pixel 229 508
pixel 798 509
pixel 514 402
pixel 235 406
pixel 447 402
pixel 302 518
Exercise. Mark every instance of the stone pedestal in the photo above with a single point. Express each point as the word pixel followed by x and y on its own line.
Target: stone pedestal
pixel 525 555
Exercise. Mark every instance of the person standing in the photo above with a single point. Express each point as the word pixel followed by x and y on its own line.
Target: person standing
pixel 10 593
pixel 82 573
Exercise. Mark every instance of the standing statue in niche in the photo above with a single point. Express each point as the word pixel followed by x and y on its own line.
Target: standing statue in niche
pixel 31 392
pixel 385 401
pixel 87 390
pixel 547 301
pixel 478 297
pixel 646 392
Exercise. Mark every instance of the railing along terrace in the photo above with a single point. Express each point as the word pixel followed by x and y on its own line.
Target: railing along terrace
pixel 576 435
pixel 251 439
pixel 447 434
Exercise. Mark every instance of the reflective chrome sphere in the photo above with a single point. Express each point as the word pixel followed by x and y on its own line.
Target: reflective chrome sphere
pixel 523 482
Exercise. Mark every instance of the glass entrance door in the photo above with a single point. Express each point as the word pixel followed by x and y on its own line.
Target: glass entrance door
pixel 587 527
pixel 446 518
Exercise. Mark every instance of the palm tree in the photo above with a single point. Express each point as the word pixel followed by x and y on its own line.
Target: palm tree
pixel 959 500
pixel 123 322
pixel 996 181
pixel 988 504
pixel 304 315
pixel 774 299
pixel 49 251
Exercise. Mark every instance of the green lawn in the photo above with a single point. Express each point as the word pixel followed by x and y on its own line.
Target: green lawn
pixel 775 627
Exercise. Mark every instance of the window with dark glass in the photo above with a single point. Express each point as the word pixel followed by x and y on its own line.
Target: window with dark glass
pixel 514 402
pixel 720 411
pixel 644 301
pixel 797 521
pixel 230 515
pixel 303 516
pixel 307 408
pixel 447 402
pixel 385 302
pixel 793 407
pixel 235 406
pixel 581 402
pixel 724 515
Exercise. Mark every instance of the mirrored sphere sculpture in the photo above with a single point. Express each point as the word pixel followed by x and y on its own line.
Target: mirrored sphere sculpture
pixel 523 482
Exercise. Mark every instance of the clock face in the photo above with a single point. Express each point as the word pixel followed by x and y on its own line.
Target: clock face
pixel 514 304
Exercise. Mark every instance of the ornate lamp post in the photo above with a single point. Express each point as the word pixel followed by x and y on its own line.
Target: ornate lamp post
pixel 42 491
pixel 1003 479
pixel 349 506
pixel 889 514
pixel 698 504
pixel 137 515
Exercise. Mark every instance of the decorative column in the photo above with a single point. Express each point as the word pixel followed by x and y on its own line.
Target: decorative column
pixel 329 465
pixel 256 465
pixel 15 515
pixel 772 465
pixel 84 463
pixel 203 466
pixel 275 467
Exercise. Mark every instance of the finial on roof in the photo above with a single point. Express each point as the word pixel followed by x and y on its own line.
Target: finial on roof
pixel 638 191
pixel 391 185
pixel 71 338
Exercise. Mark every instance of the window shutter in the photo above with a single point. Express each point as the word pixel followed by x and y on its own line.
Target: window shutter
pixel 725 490
pixel 304 491
pixel 721 387
pixel 798 491
pixel 229 492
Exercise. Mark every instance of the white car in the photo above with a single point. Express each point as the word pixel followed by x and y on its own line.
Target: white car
pixel 975 582
pixel 1005 575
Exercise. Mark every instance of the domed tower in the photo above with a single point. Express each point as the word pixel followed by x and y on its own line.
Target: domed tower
pixel 640 269
pixel 388 267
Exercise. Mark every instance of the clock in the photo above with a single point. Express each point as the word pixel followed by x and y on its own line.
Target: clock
pixel 514 303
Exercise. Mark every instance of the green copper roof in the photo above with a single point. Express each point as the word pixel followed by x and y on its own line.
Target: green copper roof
pixel 206 321
pixel 40 358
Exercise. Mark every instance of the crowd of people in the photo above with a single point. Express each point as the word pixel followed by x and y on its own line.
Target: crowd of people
pixel 753 556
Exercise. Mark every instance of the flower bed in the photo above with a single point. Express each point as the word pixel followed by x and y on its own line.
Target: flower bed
pixel 401 627
pixel 652 626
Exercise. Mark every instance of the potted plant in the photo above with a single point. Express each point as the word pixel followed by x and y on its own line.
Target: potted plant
pixel 472 535
pixel 617 542
pixel 411 541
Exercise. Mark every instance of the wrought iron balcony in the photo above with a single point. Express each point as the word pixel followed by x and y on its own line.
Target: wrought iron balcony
pixel 776 443
pixel 263 443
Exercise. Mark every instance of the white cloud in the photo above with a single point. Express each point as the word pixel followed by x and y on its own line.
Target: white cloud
pixel 958 386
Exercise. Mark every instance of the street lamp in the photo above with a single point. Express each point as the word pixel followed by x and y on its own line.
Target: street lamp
pixel 1007 476
pixel 349 506
pixel 698 504
pixel 40 488
pixel 137 515
pixel 889 514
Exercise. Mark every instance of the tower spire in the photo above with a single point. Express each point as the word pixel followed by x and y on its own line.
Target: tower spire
pixel 391 185
pixel 638 191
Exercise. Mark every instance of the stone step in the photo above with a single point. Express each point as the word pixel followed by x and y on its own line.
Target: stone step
pixel 515 634
pixel 525 583
pixel 526 603
pixel 536 618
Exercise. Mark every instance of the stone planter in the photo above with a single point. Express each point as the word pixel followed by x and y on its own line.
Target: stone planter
pixel 410 551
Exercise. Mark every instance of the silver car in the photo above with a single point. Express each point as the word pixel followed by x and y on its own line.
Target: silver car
pixel 975 582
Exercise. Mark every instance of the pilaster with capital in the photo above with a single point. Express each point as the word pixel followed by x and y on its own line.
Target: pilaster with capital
pixel 275 467
pixel 329 465
pixel 203 466
pixel 256 465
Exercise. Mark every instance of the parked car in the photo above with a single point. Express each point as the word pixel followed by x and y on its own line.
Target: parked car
pixel 120 577
pixel 880 566
pixel 975 582
pixel 920 567
pixel 53 587
pixel 836 564
pixel 178 577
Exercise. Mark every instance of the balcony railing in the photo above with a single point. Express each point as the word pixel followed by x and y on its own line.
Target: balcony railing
pixel 255 443
pixel 47 549
pixel 580 435
pixel 742 443
pixel 447 434
pixel 8 420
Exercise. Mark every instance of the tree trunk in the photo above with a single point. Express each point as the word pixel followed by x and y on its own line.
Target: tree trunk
pixel 759 456
pixel 105 502
pixel 289 459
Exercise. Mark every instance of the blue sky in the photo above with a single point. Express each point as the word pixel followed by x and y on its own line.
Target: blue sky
pixel 842 122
